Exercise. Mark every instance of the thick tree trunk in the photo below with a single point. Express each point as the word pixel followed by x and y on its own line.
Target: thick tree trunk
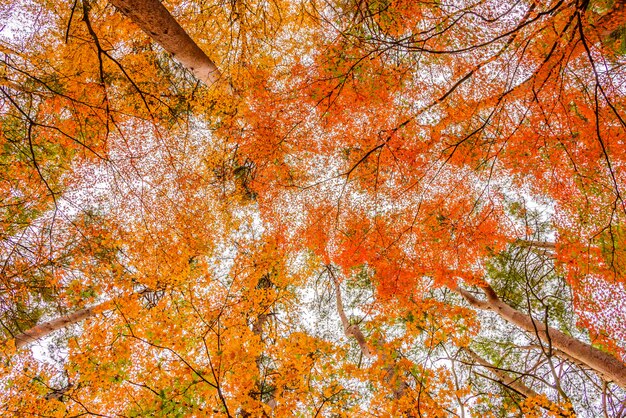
pixel 156 21
pixel 609 367
pixel 43 330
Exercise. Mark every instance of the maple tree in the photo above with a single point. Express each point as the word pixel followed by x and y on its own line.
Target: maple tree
pixel 320 208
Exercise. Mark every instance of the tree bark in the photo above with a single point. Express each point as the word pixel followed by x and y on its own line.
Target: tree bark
pixel 257 329
pixel 156 21
pixel 43 330
pixel 609 367
pixel 349 330
pixel 399 386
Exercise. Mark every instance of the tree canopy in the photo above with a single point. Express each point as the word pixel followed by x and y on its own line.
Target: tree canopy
pixel 337 208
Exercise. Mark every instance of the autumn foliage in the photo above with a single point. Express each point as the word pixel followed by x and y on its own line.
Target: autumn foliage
pixel 332 208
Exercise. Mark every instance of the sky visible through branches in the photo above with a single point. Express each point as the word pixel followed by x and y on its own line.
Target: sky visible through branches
pixel 335 208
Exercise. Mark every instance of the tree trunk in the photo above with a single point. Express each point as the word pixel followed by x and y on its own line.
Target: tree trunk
pixel 349 330
pixel 392 377
pixel 257 328
pixel 609 367
pixel 43 330
pixel 156 21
